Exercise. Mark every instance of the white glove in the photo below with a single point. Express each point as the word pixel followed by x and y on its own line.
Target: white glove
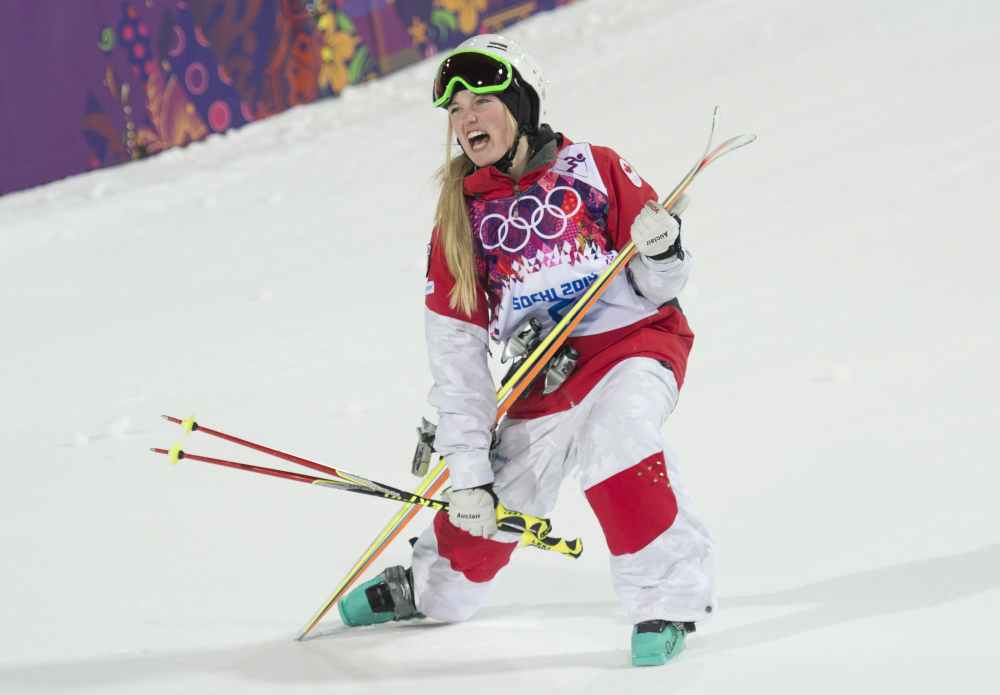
pixel 473 510
pixel 656 232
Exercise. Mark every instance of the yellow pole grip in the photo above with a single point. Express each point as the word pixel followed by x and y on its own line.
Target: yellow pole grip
pixel 539 528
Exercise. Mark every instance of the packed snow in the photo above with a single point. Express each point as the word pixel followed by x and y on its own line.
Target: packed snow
pixel 838 426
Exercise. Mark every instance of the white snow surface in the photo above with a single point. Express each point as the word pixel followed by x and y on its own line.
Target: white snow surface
pixel 838 427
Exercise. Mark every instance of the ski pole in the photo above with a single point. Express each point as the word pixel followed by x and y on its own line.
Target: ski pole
pixel 190 426
pixel 541 527
pixel 533 530
pixel 514 521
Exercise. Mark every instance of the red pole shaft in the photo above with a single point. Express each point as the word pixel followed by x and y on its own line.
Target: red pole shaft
pixel 245 467
pixel 257 447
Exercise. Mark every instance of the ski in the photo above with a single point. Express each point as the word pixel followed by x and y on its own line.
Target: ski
pixel 547 349
pixel 532 366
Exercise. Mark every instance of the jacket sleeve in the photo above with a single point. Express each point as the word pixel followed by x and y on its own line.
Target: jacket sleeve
pixel 627 193
pixel 463 392
pixel 659 282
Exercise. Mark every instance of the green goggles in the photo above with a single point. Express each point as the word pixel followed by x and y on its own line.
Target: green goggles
pixel 477 71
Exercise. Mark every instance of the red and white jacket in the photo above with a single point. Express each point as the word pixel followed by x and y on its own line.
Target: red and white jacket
pixel 540 241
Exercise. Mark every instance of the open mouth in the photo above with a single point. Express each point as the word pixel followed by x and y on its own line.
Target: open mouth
pixel 478 140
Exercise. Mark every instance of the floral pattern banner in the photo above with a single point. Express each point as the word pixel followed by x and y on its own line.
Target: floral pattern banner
pixel 93 83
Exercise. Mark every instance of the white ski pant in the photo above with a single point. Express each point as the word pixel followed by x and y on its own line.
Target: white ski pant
pixel 662 557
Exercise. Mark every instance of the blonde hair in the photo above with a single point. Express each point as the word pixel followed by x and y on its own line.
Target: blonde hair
pixel 454 229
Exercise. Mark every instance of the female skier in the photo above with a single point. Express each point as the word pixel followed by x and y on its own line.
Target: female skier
pixel 526 220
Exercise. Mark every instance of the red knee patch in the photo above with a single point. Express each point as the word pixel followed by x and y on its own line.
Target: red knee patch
pixel 634 506
pixel 478 559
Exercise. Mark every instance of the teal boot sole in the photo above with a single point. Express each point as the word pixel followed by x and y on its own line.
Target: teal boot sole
pixel 656 648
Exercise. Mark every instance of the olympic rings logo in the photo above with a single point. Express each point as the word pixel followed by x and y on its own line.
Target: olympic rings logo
pixel 513 224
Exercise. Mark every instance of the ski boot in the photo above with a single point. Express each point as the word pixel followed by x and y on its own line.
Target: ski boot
pixel 389 596
pixel 654 642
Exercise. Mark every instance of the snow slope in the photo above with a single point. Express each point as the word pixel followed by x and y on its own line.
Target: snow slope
pixel 838 425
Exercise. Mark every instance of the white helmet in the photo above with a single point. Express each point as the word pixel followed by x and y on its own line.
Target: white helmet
pixel 481 77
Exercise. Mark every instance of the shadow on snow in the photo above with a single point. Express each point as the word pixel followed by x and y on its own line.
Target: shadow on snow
pixel 424 650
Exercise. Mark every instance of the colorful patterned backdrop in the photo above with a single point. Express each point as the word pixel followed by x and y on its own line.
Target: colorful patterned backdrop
pixel 91 83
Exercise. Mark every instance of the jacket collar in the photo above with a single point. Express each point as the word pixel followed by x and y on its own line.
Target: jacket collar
pixel 489 183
